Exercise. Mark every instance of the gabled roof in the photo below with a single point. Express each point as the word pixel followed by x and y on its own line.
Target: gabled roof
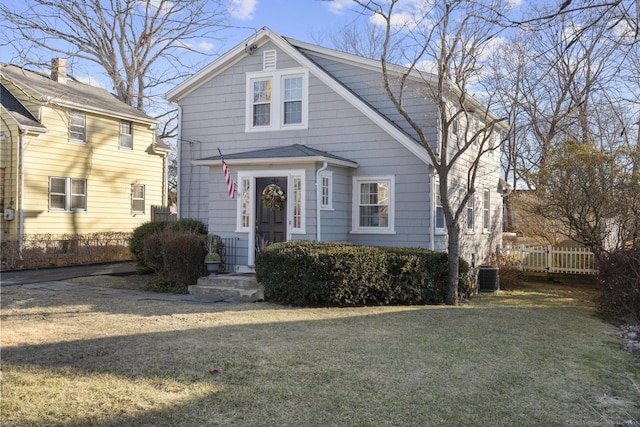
pixel 279 155
pixel 23 117
pixel 265 35
pixel 73 94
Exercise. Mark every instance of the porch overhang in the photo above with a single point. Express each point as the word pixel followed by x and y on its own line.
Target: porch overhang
pixel 290 155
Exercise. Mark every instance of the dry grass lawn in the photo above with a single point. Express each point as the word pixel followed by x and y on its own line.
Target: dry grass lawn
pixel 538 356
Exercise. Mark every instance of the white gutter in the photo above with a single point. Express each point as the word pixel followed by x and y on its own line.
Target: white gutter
pixel 324 167
pixel 276 161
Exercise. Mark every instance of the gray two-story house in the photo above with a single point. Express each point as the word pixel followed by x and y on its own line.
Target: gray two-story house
pixel 316 125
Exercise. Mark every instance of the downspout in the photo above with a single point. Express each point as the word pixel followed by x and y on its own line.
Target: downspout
pixel 20 193
pixel 11 177
pixel 319 199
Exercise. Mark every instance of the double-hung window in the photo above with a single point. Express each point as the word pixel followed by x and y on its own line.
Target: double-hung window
pixel 277 100
pixel 486 210
pixel 292 100
pixel 261 104
pixel 67 194
pixel 77 126
pixel 373 205
pixel 126 135
pixel 137 198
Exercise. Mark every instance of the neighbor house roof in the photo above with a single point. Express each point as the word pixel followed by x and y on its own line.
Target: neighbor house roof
pixel 289 154
pixel 73 94
pixel 23 117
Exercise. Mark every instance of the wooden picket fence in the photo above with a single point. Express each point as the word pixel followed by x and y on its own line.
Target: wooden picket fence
pixel 552 259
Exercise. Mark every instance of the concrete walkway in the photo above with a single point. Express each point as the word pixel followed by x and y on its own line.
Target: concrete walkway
pixel 56 280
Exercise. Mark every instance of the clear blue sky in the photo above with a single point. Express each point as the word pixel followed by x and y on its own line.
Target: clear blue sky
pixel 305 20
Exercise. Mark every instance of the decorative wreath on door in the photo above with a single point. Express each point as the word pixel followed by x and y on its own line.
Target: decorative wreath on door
pixel 273 197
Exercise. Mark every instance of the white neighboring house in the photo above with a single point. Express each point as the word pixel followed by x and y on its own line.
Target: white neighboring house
pixel 317 123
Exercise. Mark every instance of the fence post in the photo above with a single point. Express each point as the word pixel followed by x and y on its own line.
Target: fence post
pixel 549 259
pixel 521 258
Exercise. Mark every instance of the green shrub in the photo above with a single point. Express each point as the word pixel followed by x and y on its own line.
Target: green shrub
pixel 619 276
pixel 176 256
pixel 340 274
pixel 136 244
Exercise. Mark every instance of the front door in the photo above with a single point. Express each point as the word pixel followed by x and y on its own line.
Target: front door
pixel 271 225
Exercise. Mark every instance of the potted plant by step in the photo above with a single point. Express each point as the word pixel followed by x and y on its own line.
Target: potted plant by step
pixel 212 262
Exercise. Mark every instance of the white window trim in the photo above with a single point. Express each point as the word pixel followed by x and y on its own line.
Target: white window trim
pixel 68 194
pixel 436 192
pixel 355 210
pixel 277 99
pixel 329 176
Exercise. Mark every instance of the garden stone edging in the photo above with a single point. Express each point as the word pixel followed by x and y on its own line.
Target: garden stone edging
pixel 630 334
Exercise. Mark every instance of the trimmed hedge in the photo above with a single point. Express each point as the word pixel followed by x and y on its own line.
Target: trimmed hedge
pixel 176 256
pixel 306 273
pixel 136 244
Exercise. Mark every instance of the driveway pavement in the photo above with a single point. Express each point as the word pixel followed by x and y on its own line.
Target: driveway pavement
pixel 56 279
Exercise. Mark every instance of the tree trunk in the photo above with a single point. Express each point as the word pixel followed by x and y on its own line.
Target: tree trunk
pixel 453 261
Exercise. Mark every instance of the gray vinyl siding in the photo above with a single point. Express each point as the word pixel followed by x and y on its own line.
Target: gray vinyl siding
pixel 369 86
pixel 213 116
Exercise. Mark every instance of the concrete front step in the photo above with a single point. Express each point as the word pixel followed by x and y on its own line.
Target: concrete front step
pixel 228 286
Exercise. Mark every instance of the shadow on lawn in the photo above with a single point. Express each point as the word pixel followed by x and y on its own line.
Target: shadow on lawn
pixel 375 346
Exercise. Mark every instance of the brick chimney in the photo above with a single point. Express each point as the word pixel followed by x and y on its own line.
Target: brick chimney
pixel 59 70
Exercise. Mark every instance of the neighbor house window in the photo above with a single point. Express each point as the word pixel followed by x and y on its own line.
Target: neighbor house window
pixel 77 126
pixel 326 182
pixel 67 194
pixel 126 135
pixel 440 225
pixel 470 214
pixel 277 100
pixel 373 205
pixel 137 198
pixel 486 210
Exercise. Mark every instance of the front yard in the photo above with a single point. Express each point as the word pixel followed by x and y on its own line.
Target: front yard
pixel 536 356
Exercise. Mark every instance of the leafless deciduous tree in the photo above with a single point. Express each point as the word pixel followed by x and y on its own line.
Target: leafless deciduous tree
pixel 137 43
pixel 451 37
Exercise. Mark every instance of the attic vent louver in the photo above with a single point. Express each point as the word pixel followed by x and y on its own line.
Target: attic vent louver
pixel 269 60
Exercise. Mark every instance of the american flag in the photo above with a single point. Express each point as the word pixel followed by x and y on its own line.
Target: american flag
pixel 231 184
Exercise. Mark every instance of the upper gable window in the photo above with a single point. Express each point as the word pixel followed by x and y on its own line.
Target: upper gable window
pixel 77 126
pixel 277 100
pixel 261 95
